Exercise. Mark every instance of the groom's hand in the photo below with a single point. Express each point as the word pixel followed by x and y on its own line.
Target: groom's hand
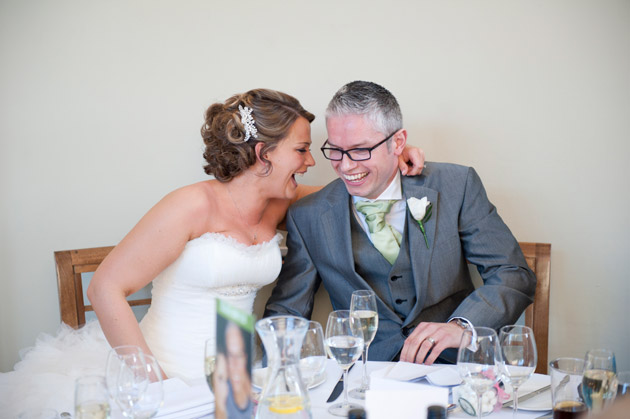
pixel 433 337
pixel 411 161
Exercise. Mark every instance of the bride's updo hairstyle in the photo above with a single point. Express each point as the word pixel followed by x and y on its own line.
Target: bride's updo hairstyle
pixel 227 152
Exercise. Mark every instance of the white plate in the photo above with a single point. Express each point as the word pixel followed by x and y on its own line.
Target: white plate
pixel 539 403
pixel 405 371
pixel 445 377
pixel 259 375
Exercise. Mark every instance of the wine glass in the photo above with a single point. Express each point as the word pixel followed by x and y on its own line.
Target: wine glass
pixel 478 361
pixel 519 357
pixel 363 311
pixel 344 343
pixel 115 363
pixel 134 381
pixel 313 355
pixel 152 398
pixel 599 383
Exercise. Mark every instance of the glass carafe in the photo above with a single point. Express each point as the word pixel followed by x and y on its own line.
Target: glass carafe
pixel 284 394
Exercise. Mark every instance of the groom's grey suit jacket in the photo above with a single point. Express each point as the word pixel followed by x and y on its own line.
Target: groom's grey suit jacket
pixel 326 245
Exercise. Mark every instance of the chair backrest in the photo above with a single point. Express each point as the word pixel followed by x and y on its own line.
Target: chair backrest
pixel 71 264
pixel 538 257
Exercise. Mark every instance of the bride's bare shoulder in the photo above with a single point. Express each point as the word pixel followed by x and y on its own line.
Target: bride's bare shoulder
pixel 200 196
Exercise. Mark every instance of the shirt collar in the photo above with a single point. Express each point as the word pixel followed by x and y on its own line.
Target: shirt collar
pixel 393 191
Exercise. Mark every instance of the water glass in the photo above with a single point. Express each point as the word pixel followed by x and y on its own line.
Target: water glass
pixel 344 344
pixel 566 380
pixel 91 400
pixel 599 384
pixel 478 361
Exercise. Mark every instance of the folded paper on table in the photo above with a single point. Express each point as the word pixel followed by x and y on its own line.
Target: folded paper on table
pixel 405 371
pixel 183 401
pixel 395 399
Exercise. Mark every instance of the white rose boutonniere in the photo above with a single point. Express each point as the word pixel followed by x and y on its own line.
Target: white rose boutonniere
pixel 421 211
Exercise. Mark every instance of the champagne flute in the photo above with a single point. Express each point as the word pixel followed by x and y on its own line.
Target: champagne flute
pixel 210 358
pixel 519 357
pixel 363 311
pixel 344 343
pixel 599 383
pixel 478 361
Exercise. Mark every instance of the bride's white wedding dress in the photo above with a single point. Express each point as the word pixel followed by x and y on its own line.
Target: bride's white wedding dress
pixel 181 318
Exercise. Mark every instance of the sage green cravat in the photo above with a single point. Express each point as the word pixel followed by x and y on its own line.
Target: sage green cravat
pixel 384 237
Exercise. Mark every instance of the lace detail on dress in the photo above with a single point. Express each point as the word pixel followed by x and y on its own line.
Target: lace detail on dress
pixel 237 290
pixel 222 238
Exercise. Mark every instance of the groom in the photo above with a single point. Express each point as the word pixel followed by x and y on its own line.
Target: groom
pixel 358 233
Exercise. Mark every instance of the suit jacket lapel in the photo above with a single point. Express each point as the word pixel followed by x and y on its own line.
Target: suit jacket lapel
pixel 335 223
pixel 419 255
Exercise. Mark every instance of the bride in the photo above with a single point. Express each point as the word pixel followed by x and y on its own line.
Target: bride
pixel 212 239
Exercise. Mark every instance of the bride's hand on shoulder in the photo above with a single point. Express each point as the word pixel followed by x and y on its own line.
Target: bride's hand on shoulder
pixel 411 161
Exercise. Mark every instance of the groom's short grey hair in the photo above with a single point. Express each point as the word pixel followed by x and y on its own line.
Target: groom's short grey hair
pixel 368 99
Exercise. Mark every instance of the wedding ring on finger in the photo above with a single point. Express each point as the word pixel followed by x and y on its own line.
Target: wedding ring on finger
pixel 431 341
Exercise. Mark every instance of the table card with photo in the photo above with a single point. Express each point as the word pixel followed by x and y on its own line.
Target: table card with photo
pixel 232 381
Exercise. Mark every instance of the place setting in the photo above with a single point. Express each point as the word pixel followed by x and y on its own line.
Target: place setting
pixel 310 373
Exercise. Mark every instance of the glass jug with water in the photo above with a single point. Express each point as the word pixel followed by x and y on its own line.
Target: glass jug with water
pixel 284 394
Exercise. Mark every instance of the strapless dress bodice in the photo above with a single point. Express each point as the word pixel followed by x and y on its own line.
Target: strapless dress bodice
pixel 182 313
pixel 181 317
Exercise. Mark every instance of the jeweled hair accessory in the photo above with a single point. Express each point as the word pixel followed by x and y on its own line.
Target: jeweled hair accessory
pixel 248 122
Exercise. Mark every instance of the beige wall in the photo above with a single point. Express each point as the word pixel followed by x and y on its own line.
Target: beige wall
pixel 101 104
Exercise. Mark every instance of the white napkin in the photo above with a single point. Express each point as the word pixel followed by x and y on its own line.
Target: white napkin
pixel 405 371
pixel 186 401
pixel 539 402
pixel 388 399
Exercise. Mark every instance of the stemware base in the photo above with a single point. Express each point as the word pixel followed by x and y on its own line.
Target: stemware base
pixel 358 393
pixel 342 409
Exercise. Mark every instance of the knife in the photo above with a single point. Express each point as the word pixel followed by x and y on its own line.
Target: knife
pixel 334 395
pixel 528 395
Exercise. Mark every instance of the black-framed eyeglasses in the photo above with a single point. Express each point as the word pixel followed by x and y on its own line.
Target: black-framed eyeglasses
pixel 354 154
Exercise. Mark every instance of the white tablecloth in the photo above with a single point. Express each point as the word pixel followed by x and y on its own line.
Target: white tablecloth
pixel 318 395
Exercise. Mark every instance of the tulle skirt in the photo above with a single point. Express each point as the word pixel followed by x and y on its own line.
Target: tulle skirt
pixel 45 375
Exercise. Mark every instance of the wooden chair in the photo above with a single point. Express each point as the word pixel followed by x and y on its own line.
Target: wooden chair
pixel 71 264
pixel 538 257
